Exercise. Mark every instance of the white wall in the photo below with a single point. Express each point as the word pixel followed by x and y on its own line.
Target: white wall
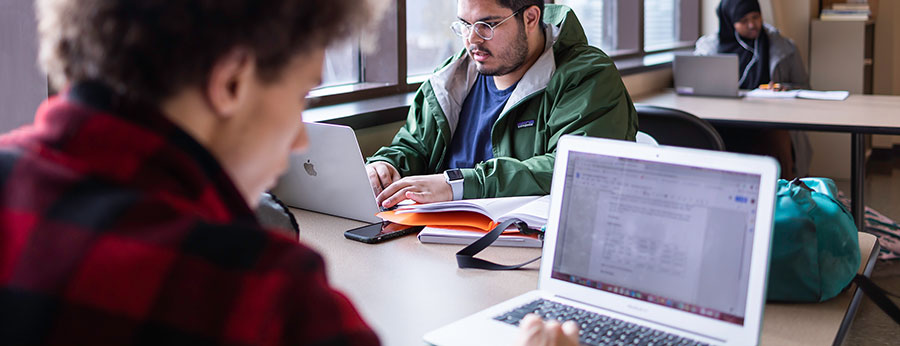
pixel 792 18
pixel 708 19
pixel 886 79
pixel 22 85
pixel 887 49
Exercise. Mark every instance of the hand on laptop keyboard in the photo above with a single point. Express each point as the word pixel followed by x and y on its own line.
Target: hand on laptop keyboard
pixel 535 332
pixel 596 329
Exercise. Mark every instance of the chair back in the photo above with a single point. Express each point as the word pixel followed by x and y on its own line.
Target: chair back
pixel 678 128
pixel 643 137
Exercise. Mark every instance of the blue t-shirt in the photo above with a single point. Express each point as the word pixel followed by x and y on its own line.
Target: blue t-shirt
pixel 471 141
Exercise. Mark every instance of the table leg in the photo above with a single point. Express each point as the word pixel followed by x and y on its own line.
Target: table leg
pixel 858 179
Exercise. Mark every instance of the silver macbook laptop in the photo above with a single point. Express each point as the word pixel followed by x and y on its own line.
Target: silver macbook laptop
pixel 709 75
pixel 646 243
pixel 330 177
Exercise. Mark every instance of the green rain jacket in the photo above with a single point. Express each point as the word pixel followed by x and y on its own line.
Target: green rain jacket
pixel 573 88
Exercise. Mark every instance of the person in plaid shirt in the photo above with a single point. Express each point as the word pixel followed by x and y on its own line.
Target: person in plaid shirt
pixel 126 207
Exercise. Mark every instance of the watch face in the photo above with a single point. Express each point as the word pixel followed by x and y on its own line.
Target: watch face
pixel 454 174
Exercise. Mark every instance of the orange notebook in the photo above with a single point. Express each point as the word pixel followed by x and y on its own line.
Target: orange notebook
pixel 481 214
pixel 463 220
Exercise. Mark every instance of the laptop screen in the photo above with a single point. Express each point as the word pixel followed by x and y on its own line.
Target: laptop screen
pixel 672 235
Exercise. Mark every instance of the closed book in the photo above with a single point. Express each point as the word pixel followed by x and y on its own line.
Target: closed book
pixel 850 7
pixel 837 15
pixel 463 236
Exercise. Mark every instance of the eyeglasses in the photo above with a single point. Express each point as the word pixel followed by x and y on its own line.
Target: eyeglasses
pixel 482 29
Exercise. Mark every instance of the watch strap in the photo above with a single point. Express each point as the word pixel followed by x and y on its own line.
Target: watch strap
pixel 456 185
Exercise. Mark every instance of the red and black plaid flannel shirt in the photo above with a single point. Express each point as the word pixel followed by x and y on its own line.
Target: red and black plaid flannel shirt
pixel 116 227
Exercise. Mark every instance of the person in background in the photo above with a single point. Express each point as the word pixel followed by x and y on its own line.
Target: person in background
pixel 126 207
pixel 487 122
pixel 766 58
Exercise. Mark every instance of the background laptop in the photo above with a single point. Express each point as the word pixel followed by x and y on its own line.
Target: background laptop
pixel 330 177
pixel 706 75
pixel 664 242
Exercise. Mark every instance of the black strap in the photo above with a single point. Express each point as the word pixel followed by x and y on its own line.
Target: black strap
pixel 879 296
pixel 465 258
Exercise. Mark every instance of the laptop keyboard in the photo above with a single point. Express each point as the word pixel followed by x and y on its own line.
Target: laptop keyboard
pixel 596 329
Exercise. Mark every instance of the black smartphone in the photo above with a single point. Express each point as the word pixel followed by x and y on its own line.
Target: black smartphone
pixel 378 232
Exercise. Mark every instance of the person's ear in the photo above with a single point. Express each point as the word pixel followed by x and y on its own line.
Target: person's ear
pixel 532 18
pixel 229 81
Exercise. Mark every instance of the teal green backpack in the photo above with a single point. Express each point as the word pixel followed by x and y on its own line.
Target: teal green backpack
pixel 815 247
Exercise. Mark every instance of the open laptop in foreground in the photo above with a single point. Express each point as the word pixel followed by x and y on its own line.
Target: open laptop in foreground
pixel 648 244
pixel 330 177
pixel 706 75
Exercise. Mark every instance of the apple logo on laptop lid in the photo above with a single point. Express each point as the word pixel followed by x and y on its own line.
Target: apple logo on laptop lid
pixel 310 168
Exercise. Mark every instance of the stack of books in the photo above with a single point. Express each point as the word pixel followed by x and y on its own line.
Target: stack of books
pixel 465 221
pixel 847 11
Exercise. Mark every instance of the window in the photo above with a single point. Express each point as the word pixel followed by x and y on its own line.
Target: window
pixel 429 40
pixel 341 64
pixel 414 37
pixel 660 24
pixel 598 20
pixel 626 28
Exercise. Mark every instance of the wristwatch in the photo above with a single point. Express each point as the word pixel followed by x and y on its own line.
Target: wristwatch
pixel 454 177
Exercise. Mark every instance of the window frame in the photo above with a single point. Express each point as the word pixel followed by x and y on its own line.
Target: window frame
pixel 390 77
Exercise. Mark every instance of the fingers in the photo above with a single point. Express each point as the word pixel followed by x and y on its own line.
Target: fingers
pixel 395 174
pixel 421 188
pixel 387 196
pixel 570 330
pixel 421 197
pixel 387 174
pixel 397 197
pixel 553 332
pixel 373 179
pixel 381 175
pixel 533 332
pixel 530 328
pixel 531 321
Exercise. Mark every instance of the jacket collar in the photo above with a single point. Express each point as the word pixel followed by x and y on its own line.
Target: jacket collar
pixel 451 84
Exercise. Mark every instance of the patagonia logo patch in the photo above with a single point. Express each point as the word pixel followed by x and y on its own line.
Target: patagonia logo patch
pixel 524 124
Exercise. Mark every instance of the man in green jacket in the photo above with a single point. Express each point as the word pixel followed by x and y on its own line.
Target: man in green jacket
pixel 487 122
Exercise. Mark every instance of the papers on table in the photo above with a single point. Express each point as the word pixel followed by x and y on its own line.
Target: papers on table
pixel 772 94
pixel 800 94
pixel 823 95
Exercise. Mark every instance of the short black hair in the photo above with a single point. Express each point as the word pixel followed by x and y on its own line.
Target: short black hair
pixel 517 5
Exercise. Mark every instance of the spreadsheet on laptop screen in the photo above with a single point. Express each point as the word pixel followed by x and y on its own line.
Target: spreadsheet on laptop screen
pixel 673 235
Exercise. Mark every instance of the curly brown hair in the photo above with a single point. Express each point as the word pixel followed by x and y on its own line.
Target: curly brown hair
pixel 150 49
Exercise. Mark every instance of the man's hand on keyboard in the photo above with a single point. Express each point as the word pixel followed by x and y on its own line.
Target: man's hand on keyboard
pixel 534 332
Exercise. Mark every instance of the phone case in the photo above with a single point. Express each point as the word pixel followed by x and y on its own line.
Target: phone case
pixel 374 240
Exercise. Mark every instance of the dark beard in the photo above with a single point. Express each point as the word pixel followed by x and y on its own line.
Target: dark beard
pixel 516 56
